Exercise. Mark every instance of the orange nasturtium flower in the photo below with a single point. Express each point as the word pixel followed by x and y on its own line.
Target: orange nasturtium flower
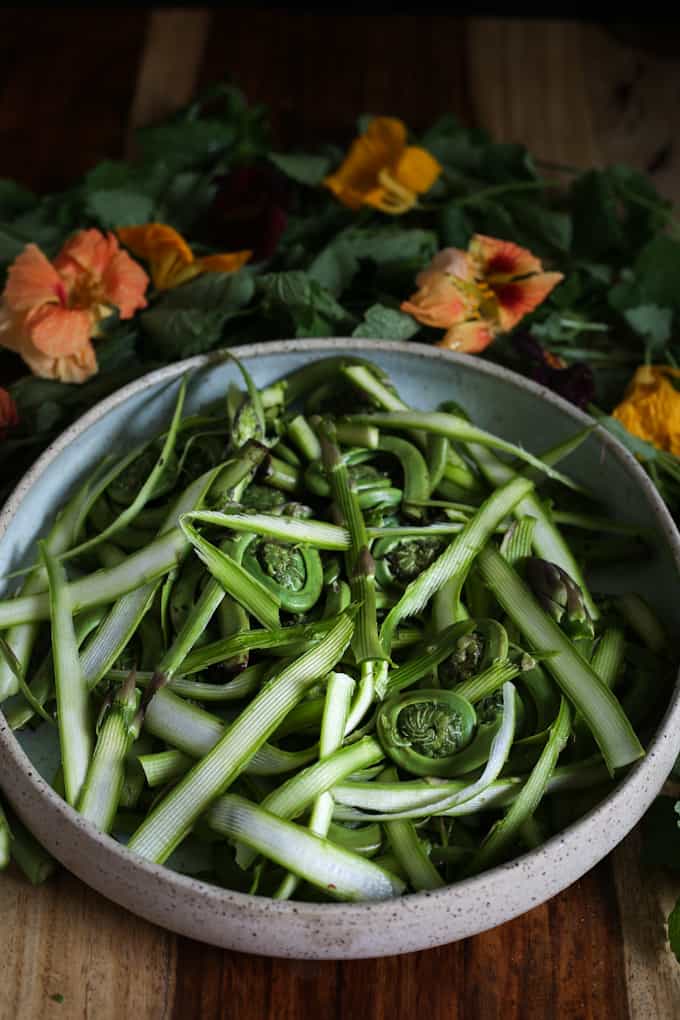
pixel 476 294
pixel 51 310
pixel 651 407
pixel 9 416
pixel 382 171
pixel 171 260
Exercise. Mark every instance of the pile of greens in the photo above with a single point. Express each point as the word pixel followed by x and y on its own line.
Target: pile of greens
pixel 324 656
pixel 320 269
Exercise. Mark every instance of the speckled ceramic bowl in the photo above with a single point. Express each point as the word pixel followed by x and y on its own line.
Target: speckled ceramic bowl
pixel 498 400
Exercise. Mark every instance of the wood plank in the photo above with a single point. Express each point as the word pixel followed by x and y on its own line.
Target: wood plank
pixel 590 98
pixel 646 897
pixel 64 939
pixel 169 64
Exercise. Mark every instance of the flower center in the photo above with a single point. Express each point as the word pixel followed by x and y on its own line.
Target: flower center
pixel 87 292
pixel 397 197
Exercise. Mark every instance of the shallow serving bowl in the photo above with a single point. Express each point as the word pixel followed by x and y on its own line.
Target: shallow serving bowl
pixel 498 400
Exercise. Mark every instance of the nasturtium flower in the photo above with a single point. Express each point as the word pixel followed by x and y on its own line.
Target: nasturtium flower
pixel 250 209
pixel 575 382
pixel 476 294
pixel 382 171
pixel 51 311
pixel 9 416
pixel 171 260
pixel 651 407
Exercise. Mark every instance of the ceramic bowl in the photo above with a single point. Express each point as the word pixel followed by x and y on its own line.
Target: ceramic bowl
pixel 497 399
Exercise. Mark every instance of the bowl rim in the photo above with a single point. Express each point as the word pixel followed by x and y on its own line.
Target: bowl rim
pixel 537 864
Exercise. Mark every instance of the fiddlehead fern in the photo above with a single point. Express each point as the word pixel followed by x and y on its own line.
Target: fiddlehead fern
pixel 423 731
pixel 476 651
pixel 294 574
pixel 398 561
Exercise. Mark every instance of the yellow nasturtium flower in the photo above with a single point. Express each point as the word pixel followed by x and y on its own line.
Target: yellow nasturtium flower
pixel 382 171
pixel 651 407
pixel 170 259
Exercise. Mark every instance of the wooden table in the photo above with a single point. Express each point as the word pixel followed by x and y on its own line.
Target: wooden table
pixel 73 83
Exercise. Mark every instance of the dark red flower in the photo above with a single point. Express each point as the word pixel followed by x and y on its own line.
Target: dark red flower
pixel 250 210
pixel 573 382
pixel 9 416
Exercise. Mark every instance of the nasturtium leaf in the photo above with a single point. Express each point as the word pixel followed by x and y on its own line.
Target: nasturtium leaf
pixel 119 208
pixel 384 323
pixel 651 322
pixel 598 232
pixel 14 199
pixel 305 169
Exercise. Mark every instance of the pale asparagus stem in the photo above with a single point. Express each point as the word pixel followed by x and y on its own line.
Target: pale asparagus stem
pixel 200 615
pixel 503 833
pixel 339 690
pixel 547 539
pixel 100 795
pixel 595 702
pixel 151 562
pixel 21 638
pixel 245 589
pixel 170 821
pixel 337 871
pixel 128 515
pixel 409 850
pixel 42 683
pixel 73 707
pixel 127 613
pixel 190 730
pixel 457 559
pixel 360 566
pixel 306 531
pixel 458 429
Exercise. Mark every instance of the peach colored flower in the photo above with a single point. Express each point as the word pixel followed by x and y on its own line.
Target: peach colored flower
pixel 51 310
pixel 382 171
pixel 171 260
pixel 9 416
pixel 476 294
pixel 651 407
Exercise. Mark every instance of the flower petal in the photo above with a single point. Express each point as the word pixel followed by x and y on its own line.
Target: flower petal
pixel 125 284
pixel 417 170
pixel 58 332
pixel 228 262
pixel 501 259
pixel 88 251
pixel 468 337
pixel 441 301
pixel 378 148
pixel 153 239
pixel 516 299
pixel 75 368
pixel 651 408
pixel 32 281
pixel 448 260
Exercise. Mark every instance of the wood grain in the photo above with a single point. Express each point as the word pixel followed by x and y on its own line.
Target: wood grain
pixel 63 939
pixel 169 65
pixel 576 93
